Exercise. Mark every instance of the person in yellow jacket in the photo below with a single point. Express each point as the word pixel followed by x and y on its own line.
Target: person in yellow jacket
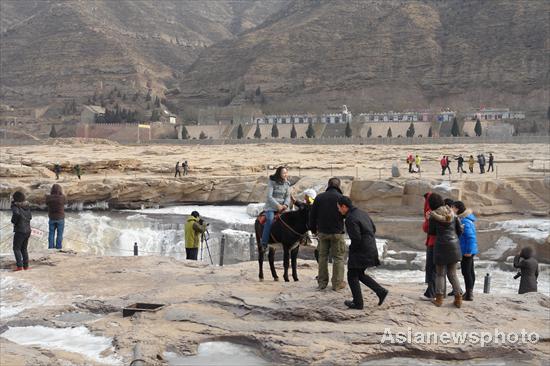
pixel 471 163
pixel 194 227
pixel 417 161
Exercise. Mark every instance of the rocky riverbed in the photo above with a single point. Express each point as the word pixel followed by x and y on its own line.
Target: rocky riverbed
pixel 286 323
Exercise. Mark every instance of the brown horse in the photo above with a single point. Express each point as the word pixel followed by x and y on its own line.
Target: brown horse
pixel 289 229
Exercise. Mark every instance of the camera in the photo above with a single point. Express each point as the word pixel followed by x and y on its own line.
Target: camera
pixel 518 275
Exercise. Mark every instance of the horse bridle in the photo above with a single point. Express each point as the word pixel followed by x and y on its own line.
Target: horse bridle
pixel 300 236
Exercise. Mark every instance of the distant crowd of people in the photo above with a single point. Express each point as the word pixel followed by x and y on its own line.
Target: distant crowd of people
pixel 77 170
pixel 445 162
pixel 183 167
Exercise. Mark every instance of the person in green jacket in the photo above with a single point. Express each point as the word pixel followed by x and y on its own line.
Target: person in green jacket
pixel 194 227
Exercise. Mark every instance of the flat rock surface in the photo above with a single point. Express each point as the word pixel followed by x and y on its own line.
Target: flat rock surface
pixel 290 323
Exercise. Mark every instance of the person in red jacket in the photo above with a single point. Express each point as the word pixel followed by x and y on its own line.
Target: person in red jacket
pixel 429 294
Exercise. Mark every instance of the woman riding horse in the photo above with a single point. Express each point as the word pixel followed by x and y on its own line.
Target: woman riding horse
pixel 278 200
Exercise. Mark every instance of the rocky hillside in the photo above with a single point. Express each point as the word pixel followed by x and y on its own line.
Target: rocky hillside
pixel 65 49
pixel 304 55
pixel 385 55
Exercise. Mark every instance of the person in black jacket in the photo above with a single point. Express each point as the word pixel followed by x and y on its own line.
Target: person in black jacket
pixel 529 270
pixel 446 227
pixel 328 223
pixel 21 220
pixel 362 252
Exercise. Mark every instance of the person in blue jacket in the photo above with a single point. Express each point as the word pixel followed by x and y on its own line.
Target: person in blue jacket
pixel 468 247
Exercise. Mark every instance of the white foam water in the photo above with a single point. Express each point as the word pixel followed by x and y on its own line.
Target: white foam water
pixel 227 214
pixel 78 340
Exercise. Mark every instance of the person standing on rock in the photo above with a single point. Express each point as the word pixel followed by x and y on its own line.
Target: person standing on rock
pixel 185 166
pixel 77 170
pixel 468 247
pixel 460 168
pixel 327 222
pixel 363 252
pixel 277 200
pixel 57 170
pixel 443 163
pixel 429 294
pixel 56 213
pixel 491 162
pixel 529 270
pixel 21 219
pixel 194 228
pixel 417 161
pixel 178 172
pixel 446 227
pixel 448 164
pixel 410 161
pixel 471 163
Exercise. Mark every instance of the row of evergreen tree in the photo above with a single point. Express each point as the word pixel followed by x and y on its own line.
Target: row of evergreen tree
pixel 118 115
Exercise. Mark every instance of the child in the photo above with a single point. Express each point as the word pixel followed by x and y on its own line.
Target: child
pixel 468 247
pixel 21 220
pixel 529 270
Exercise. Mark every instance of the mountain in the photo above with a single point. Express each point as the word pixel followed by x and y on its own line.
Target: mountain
pixel 61 49
pixel 282 55
pixel 376 55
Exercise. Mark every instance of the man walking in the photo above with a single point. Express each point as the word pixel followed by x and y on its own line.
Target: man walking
pixel 178 172
pixel 194 227
pixel 362 253
pixel 326 220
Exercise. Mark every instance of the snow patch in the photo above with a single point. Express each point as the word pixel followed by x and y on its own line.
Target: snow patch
pixel 18 296
pixel 502 245
pixel 537 229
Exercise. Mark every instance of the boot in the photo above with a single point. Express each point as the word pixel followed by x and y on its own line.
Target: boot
pixel 438 301
pixel 469 295
pixel 18 269
pixel 458 300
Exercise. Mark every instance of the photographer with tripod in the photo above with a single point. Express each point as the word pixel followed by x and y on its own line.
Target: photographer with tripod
pixel 194 228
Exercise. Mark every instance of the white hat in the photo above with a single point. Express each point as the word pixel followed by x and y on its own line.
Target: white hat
pixel 310 193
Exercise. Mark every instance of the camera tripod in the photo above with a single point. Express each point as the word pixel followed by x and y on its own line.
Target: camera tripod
pixel 204 239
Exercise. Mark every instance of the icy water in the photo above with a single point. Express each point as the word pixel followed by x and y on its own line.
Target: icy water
pixel 78 340
pixel 219 353
pixel 160 232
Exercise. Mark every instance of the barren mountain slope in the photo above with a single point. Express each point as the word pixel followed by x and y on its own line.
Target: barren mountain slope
pixel 373 54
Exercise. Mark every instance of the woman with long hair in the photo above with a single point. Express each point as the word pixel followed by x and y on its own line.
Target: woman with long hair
pixel 278 199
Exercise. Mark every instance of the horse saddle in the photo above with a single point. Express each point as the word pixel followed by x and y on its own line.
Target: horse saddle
pixel 261 218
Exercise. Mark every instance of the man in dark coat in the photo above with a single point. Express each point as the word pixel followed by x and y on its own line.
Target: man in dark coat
pixel 491 163
pixel 529 270
pixel 325 220
pixel 362 252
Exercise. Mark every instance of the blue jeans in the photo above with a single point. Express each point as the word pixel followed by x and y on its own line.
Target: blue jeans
pixel 269 215
pixel 58 225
